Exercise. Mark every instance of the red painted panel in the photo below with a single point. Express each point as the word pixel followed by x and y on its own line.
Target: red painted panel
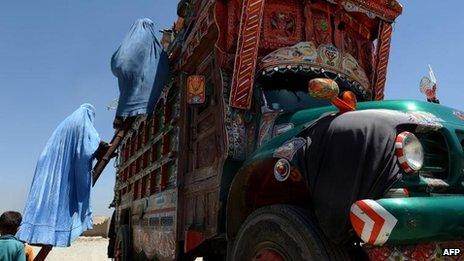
pixel 386 30
pixel 192 240
pixel 247 53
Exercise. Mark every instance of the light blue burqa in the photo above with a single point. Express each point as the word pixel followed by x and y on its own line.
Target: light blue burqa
pixel 58 208
pixel 142 68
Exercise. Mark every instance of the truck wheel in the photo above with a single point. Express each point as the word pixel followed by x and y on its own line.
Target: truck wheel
pixel 123 247
pixel 282 232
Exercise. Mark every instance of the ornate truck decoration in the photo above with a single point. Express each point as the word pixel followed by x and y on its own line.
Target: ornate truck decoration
pixel 247 53
pixel 428 86
pixel 274 118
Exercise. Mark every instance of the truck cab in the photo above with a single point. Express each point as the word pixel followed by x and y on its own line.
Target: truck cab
pixel 218 170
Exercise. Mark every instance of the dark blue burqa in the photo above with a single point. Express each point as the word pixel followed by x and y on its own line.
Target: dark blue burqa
pixel 58 208
pixel 141 66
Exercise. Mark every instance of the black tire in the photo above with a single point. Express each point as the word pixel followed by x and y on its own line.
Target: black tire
pixel 285 231
pixel 123 247
pixel 212 257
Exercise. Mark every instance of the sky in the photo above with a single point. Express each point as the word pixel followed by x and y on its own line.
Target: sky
pixel 55 55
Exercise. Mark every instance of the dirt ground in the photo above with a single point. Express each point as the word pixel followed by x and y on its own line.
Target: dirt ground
pixel 84 248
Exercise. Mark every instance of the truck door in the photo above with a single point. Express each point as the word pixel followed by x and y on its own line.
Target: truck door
pixel 201 182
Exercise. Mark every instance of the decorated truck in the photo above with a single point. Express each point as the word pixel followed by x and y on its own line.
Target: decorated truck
pixel 271 141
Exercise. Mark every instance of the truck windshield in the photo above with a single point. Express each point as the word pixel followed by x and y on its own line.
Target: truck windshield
pixel 291 99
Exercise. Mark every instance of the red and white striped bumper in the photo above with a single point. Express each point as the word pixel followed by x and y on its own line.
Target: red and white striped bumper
pixel 372 223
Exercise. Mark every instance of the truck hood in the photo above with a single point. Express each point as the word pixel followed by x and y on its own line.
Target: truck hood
pixel 447 115
pixel 449 118
pixel 428 226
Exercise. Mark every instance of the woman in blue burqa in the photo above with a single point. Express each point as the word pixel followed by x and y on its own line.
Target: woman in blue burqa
pixel 58 206
pixel 142 68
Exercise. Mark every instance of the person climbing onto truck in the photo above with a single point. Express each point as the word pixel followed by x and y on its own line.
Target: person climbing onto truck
pixel 58 206
pixel 142 68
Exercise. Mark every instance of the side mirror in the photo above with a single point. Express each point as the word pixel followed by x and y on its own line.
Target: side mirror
pixel 327 89
pixel 196 90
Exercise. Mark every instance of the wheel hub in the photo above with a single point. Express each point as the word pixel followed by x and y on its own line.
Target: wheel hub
pixel 268 254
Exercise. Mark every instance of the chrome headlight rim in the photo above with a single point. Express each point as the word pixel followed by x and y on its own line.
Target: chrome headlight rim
pixel 410 152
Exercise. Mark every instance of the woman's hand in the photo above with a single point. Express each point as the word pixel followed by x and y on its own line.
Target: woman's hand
pixel 102 149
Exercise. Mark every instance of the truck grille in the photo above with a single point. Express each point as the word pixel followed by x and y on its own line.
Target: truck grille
pixel 461 138
pixel 436 158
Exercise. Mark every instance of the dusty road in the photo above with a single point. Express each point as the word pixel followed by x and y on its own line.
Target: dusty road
pixel 84 248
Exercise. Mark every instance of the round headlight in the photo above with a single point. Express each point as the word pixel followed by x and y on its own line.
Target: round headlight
pixel 409 151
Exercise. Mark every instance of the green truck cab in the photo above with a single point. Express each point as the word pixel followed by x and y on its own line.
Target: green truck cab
pixel 216 171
